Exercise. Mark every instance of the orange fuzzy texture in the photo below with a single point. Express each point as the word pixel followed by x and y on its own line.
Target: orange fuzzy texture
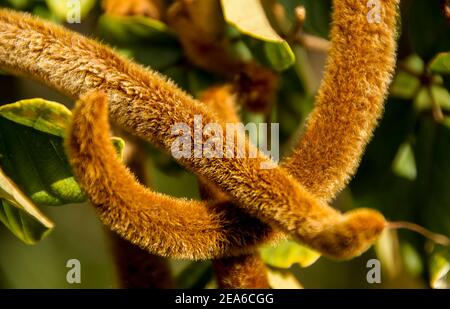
pixel 243 272
pixel 181 228
pixel 161 224
pixel 139 98
pixel 350 99
pixel 247 271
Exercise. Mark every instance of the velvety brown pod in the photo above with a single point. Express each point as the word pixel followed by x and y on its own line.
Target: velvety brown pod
pixel 138 98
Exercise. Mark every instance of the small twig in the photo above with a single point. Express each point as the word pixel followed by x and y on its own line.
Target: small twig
pixel 437 238
pixel 313 42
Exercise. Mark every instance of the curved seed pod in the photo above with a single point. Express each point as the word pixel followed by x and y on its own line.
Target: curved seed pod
pixel 243 272
pixel 161 224
pixel 181 228
pixel 122 81
pixel 137 268
pixel 350 98
pixel 246 271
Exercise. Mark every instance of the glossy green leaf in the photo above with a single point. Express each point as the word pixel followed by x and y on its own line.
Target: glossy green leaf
pixel 63 8
pixel 440 270
pixel 441 63
pixel 19 214
pixel 287 254
pixel 277 51
pixel 42 115
pixel 404 164
pixel 32 151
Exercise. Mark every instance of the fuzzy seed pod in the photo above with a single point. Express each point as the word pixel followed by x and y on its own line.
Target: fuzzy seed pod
pixel 139 98
pixel 243 272
pixel 247 271
pixel 351 96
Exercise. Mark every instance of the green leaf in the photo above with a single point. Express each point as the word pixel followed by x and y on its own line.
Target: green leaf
pixel 46 116
pixel 287 254
pixel 405 85
pixel 440 270
pixel 280 56
pixel 62 8
pixel 411 259
pixel 20 215
pixel 36 161
pixel 440 63
pixel 404 164
pixel 250 19
pixel 32 151
pixel 424 100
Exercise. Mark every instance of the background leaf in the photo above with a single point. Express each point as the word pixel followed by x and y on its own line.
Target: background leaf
pixel 277 51
pixel 20 215
pixel 61 8
pixel 32 151
pixel 440 63
pixel 440 270
pixel 42 115
pixel 288 253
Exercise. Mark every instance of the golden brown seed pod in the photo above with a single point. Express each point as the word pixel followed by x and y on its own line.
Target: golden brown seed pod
pixel 243 272
pixel 350 99
pixel 95 66
pixel 160 224
pixel 181 228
